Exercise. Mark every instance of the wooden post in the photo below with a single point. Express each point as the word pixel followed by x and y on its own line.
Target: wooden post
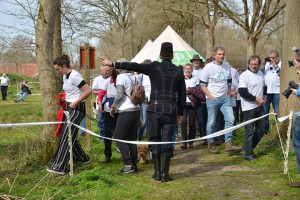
pixel 88 100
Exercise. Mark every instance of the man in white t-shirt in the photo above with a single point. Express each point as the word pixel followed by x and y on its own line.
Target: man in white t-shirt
pixel 215 81
pixel 252 90
pixel 105 73
pixel 198 66
pixel 272 78
pixel 4 85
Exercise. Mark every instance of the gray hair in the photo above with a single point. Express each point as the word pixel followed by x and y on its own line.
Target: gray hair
pixel 216 49
pixel 273 51
pixel 188 64
pixel 123 60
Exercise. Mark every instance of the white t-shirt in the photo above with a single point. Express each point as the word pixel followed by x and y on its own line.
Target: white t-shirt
pixel 196 74
pixel 192 82
pixel 234 87
pixel 147 85
pixel 216 76
pixel 97 86
pixel 4 80
pixel 272 79
pixel 127 80
pixel 71 84
pixel 235 84
pixel 255 83
pixel 111 92
pixel 234 75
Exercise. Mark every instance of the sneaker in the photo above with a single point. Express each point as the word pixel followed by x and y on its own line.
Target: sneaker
pixel 183 146
pixel 106 160
pixel 56 171
pixel 135 168
pixel 191 145
pixel 250 158
pixel 212 148
pixel 231 147
pixel 118 150
pixel 84 162
pixel 295 185
pixel 16 101
pixel 127 169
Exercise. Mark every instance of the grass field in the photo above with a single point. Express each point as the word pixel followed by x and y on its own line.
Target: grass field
pixel 197 173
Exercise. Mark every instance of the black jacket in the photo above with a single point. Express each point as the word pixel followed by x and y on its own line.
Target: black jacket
pixel 167 84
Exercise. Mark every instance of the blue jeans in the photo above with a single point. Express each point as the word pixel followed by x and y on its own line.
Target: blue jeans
pixel 82 124
pixel 274 99
pixel 22 96
pixel 143 113
pixel 101 124
pixel 213 106
pixel 296 140
pixel 202 115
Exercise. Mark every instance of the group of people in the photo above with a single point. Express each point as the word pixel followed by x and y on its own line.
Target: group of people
pixel 167 90
pixel 24 87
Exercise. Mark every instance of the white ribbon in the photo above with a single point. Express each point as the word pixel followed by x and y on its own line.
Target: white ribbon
pixel 29 124
pixel 216 134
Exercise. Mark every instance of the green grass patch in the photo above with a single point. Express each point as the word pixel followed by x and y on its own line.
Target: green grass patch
pixel 197 173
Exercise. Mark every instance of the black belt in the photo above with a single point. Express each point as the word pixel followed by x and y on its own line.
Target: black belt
pixel 162 102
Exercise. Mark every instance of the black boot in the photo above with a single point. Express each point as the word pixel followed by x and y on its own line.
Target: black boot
pixel 156 163
pixel 165 177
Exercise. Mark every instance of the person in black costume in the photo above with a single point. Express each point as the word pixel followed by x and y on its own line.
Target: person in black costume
pixel 167 102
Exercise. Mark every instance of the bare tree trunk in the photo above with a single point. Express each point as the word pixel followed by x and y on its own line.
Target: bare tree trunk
pixel 251 45
pixel 210 41
pixel 192 36
pixel 291 39
pixel 47 75
pixel 57 42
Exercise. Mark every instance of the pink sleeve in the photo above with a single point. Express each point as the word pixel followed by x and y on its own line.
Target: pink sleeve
pixel 101 94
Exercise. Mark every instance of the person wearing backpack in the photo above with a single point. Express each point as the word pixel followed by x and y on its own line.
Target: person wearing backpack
pixel 167 102
pixel 128 120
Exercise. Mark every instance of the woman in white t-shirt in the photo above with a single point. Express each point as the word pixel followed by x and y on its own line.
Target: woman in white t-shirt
pixel 189 112
pixel 127 122
pixel 76 91
pixel 106 97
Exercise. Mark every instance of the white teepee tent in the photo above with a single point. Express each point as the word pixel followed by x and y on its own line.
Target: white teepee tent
pixel 183 52
pixel 139 58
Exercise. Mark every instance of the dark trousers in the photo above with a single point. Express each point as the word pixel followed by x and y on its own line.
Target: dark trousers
pixel 62 154
pixel 189 113
pixel 161 129
pixel 202 115
pixel 126 129
pixel 235 120
pixel 238 112
pixel 110 124
pixel 254 131
pixel 4 92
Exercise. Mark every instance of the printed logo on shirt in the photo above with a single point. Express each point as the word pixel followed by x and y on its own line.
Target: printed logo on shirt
pixel 221 76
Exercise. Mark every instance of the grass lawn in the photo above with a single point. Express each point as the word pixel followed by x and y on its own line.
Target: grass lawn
pixel 197 173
